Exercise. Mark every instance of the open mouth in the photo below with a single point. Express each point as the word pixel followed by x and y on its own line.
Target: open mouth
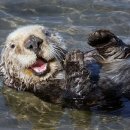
pixel 40 67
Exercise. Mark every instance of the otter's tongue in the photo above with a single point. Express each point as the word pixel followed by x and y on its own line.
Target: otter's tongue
pixel 39 66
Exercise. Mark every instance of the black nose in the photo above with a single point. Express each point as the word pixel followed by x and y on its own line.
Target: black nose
pixel 33 43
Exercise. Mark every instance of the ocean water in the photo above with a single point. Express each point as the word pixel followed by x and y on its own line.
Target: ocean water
pixel 74 20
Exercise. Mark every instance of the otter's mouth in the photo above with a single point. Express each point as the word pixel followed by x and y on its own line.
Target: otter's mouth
pixel 40 67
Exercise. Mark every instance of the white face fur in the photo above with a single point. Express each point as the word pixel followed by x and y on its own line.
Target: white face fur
pixel 32 54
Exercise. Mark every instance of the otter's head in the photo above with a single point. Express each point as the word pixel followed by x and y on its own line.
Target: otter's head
pixel 31 55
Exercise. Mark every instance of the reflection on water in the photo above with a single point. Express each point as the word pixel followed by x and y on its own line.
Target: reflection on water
pixel 43 115
pixel 74 19
pixel 28 108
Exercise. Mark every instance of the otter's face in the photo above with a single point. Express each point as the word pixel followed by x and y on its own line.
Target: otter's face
pixel 32 54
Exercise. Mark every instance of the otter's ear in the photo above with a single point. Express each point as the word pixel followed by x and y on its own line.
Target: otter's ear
pixel 46 32
pixel 55 38
pixel 51 33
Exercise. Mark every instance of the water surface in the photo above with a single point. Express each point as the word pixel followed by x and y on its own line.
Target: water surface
pixel 74 19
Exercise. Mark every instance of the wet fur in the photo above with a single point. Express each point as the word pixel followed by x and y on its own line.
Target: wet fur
pixel 106 70
pixel 16 60
pixel 100 76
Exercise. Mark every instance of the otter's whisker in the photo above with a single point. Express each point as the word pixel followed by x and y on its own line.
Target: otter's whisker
pixel 60 49
pixel 56 54
pixel 59 57
pixel 59 52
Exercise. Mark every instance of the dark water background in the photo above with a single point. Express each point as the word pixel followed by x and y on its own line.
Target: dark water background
pixel 74 19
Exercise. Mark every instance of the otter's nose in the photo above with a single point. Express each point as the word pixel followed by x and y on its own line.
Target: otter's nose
pixel 33 43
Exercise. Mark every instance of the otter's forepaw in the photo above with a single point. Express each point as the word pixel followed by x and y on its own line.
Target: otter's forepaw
pixel 76 73
pixel 74 61
pixel 75 56
pixel 101 37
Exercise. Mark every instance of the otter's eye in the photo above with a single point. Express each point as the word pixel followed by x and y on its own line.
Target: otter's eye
pixel 12 46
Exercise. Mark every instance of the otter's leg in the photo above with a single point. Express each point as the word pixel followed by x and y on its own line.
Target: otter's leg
pixel 108 45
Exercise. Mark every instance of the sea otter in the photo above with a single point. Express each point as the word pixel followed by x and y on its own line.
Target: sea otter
pixel 32 59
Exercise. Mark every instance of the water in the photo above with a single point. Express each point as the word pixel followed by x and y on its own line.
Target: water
pixel 74 19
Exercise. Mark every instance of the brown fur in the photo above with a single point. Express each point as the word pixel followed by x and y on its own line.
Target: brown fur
pixel 96 77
